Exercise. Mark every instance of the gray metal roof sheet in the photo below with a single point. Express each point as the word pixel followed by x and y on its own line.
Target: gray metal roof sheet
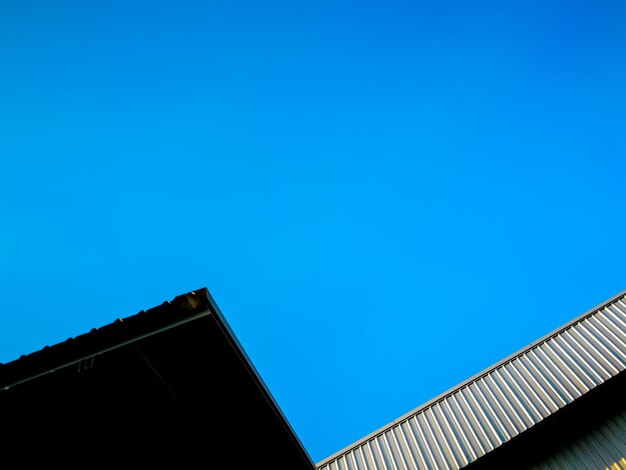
pixel 490 408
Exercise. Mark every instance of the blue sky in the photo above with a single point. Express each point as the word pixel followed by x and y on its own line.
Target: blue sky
pixel 384 198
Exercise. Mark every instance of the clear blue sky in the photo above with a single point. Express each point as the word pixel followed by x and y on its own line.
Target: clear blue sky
pixel 384 198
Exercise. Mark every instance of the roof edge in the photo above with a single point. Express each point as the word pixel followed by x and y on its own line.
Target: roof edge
pixel 209 301
pixel 170 314
pixel 473 378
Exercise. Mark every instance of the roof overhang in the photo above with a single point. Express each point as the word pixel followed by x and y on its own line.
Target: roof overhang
pixel 504 401
pixel 168 384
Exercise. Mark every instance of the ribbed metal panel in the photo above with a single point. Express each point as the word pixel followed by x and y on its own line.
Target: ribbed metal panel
pixel 603 447
pixel 491 408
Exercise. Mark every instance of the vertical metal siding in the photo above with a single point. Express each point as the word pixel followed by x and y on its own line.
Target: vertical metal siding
pixel 603 447
pixel 487 411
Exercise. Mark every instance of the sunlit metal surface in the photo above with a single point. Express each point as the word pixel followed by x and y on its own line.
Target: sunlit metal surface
pixel 602 447
pixel 491 408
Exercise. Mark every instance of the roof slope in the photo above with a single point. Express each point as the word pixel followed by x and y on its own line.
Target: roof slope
pixel 491 408
pixel 589 433
pixel 170 384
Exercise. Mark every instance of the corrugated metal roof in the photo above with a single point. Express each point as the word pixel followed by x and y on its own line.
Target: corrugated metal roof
pixel 489 409
pixel 589 433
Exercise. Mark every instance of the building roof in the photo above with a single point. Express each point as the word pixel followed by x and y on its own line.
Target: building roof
pixel 169 384
pixel 588 433
pixel 500 403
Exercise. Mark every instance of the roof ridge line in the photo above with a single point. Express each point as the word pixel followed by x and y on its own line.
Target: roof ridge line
pixel 484 372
